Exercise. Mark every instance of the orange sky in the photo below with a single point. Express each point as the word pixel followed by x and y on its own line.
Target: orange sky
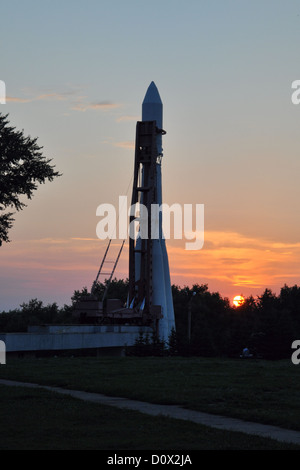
pixel 228 262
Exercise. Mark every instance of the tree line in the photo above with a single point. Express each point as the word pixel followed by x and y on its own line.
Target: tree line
pixel 206 323
pixel 266 325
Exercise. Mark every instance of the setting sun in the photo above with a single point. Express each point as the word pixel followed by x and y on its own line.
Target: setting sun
pixel 238 300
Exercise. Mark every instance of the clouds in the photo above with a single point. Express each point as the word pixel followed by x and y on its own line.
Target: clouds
pixel 15 99
pixel 229 262
pixel 125 144
pixel 127 118
pixel 100 105
pixel 51 268
pixel 73 98
pixel 234 262
pixel 48 96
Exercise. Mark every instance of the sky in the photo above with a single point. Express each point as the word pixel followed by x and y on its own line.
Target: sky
pixel 76 74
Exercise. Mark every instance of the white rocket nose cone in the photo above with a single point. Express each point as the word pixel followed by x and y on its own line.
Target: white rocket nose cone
pixel 152 94
pixel 152 108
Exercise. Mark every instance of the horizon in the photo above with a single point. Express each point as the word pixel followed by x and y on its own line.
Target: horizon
pixel 225 73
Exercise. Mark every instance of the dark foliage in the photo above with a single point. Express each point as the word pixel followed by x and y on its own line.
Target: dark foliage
pixel 266 325
pixel 22 168
pixel 146 346
pixel 34 313
pixel 118 289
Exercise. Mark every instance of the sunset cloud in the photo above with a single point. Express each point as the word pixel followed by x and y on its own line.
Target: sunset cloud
pixel 100 105
pixel 226 256
pixel 15 99
pixel 84 239
pixel 125 145
pixel 50 96
pixel 53 96
pixel 81 103
pixel 238 261
pixel 127 118
pixel 61 254
pixel 229 262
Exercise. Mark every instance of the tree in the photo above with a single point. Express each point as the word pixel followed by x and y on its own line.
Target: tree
pixel 118 289
pixel 22 168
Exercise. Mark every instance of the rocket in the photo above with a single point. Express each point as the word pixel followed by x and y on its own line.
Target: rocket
pixel 152 110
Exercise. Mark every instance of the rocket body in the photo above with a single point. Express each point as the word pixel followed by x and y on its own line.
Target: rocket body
pixel 152 110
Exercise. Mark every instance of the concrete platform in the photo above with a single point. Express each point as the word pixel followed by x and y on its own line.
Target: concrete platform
pixel 55 338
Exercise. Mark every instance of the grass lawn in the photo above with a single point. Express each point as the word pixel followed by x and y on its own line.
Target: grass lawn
pixel 261 391
pixel 41 420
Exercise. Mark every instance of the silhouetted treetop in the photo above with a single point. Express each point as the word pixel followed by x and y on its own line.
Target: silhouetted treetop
pixel 22 168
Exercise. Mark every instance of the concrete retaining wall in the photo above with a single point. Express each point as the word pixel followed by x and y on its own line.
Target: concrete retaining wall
pixel 72 337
